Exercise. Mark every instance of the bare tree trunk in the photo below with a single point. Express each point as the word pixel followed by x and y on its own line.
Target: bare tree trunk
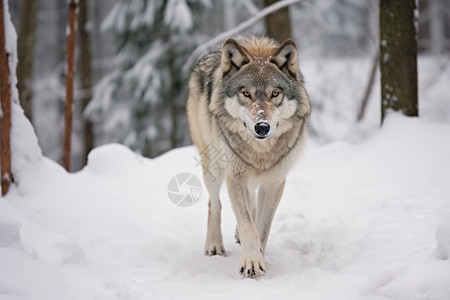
pixel 172 101
pixel 5 96
pixel 69 85
pixel 437 37
pixel 278 24
pixel 25 48
pixel 398 57
pixel 85 73
pixel 368 91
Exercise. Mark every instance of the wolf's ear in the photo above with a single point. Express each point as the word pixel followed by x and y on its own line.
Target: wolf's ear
pixel 233 56
pixel 285 57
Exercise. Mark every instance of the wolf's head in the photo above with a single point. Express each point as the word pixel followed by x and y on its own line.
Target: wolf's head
pixel 262 86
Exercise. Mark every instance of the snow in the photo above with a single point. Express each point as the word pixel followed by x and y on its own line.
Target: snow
pixel 364 221
pixel 443 238
pixel 9 233
pixel 24 146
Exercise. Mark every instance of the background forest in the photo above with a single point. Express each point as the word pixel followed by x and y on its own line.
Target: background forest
pixel 129 84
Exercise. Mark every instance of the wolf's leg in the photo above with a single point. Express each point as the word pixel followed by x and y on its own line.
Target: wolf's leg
pixel 268 199
pixel 252 261
pixel 214 242
pixel 252 205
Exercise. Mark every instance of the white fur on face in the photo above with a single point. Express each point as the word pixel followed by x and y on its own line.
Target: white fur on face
pixel 287 108
pixel 233 107
pixel 283 112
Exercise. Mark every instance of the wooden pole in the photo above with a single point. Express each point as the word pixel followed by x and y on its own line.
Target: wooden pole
pixel 5 96
pixel 69 85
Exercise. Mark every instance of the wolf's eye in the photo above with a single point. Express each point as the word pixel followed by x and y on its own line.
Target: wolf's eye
pixel 246 94
pixel 275 94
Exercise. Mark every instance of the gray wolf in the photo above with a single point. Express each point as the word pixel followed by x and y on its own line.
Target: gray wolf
pixel 248 102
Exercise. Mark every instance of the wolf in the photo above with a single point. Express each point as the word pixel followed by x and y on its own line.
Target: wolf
pixel 247 101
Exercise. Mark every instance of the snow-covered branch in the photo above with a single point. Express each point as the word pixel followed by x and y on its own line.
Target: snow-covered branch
pixel 201 49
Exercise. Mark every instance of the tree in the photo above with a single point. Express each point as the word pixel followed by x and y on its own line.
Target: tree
pixel 278 24
pixel 69 85
pixel 19 146
pixel 368 89
pixel 5 96
pixel 398 57
pixel 26 41
pixel 85 73
pixel 141 101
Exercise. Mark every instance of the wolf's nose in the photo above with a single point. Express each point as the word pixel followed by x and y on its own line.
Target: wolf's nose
pixel 262 129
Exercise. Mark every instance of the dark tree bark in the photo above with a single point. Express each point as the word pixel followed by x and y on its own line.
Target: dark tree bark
pixel 278 24
pixel 25 48
pixel 5 96
pixel 69 85
pixel 85 73
pixel 398 57
pixel 172 101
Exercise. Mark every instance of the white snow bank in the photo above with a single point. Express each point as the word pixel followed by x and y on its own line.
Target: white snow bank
pixel 356 222
pixel 24 146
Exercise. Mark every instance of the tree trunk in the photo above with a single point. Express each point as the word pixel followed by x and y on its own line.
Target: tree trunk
pixel 5 96
pixel 69 85
pixel 368 90
pixel 172 101
pixel 85 73
pixel 437 37
pixel 398 57
pixel 25 48
pixel 278 24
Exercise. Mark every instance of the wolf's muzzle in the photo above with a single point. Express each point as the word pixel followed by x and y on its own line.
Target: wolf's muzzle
pixel 262 129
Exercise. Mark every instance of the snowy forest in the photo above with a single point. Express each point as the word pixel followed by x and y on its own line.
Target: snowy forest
pixel 365 213
pixel 129 87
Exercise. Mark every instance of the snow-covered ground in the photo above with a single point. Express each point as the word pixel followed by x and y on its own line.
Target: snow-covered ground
pixel 365 221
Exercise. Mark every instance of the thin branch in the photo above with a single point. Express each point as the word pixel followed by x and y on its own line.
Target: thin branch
pixel 203 48
pixel 69 85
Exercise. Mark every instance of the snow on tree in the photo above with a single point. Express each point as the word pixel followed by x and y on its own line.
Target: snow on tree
pixel 141 101
pixel 24 146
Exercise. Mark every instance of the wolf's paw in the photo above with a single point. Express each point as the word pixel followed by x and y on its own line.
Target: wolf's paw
pixel 253 267
pixel 215 249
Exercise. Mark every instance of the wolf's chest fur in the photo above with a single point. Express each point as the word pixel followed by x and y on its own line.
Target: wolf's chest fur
pixel 263 156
